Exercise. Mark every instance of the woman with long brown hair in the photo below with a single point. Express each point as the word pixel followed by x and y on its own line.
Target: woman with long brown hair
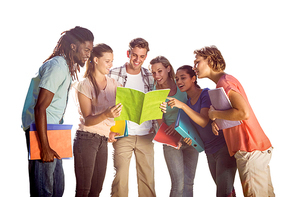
pixel 96 98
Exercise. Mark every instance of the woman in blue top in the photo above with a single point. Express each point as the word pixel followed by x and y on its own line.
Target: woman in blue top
pixel 181 162
pixel 222 166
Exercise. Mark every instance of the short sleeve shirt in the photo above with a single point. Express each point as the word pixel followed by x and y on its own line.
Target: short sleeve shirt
pixel 171 113
pixel 55 77
pixel 248 136
pixel 211 142
pixel 105 99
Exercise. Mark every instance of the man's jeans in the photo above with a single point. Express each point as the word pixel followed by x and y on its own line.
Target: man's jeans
pixel 182 166
pixel 46 179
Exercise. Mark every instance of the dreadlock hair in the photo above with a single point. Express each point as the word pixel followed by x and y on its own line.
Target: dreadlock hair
pixel 98 51
pixel 189 70
pixel 76 36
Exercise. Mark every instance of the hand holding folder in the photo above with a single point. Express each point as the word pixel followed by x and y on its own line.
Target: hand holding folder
pixel 59 138
pixel 187 130
pixel 162 137
pixel 120 127
pixel 138 106
pixel 221 102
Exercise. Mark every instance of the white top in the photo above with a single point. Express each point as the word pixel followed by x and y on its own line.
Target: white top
pixel 105 99
pixel 136 82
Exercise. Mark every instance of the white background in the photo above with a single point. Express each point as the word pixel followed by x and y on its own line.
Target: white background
pixel 256 38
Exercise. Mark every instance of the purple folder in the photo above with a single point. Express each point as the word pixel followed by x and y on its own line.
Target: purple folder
pixel 221 102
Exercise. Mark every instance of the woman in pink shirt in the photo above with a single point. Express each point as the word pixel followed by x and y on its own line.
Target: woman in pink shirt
pixel 96 99
pixel 247 141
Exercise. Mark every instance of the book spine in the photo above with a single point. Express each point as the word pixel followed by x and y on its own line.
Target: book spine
pixel 53 127
pixel 195 144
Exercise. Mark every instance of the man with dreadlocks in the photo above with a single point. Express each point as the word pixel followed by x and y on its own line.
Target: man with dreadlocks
pixel 46 103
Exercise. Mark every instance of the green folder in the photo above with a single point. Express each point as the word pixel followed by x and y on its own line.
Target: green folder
pixel 138 106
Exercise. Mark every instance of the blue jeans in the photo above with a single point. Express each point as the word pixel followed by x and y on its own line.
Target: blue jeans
pixel 90 161
pixel 223 169
pixel 46 179
pixel 182 166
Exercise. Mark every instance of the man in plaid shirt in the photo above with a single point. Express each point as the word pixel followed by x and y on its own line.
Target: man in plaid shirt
pixel 139 139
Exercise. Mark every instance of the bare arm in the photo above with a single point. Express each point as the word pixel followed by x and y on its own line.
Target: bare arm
pixel 44 99
pixel 90 120
pixel 160 121
pixel 240 109
pixel 201 118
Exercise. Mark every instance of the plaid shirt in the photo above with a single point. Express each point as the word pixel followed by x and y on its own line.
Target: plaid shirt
pixel 119 74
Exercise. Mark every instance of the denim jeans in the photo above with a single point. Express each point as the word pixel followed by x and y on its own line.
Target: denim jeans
pixel 90 161
pixel 182 166
pixel 223 169
pixel 46 179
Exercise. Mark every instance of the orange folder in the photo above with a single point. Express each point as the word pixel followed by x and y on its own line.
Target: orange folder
pixel 162 137
pixel 59 138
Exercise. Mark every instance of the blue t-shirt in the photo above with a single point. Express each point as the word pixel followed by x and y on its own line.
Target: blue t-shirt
pixel 211 142
pixel 55 77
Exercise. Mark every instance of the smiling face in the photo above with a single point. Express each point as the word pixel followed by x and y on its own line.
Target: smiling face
pixel 160 73
pixel 82 52
pixel 201 67
pixel 184 81
pixel 137 57
pixel 103 64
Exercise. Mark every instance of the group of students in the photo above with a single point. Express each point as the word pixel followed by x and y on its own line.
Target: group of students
pixel 244 147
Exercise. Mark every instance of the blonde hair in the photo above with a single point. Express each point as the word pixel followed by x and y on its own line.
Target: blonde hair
pixel 214 57
pixel 166 63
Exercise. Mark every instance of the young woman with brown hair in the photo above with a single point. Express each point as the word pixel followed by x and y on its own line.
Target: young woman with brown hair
pixel 96 98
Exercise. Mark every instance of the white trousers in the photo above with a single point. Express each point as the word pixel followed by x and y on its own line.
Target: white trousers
pixel 254 172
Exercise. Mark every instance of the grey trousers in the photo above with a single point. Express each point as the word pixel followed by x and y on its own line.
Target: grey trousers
pixel 90 160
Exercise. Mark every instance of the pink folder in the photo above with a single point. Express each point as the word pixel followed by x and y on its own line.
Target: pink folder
pixel 162 137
